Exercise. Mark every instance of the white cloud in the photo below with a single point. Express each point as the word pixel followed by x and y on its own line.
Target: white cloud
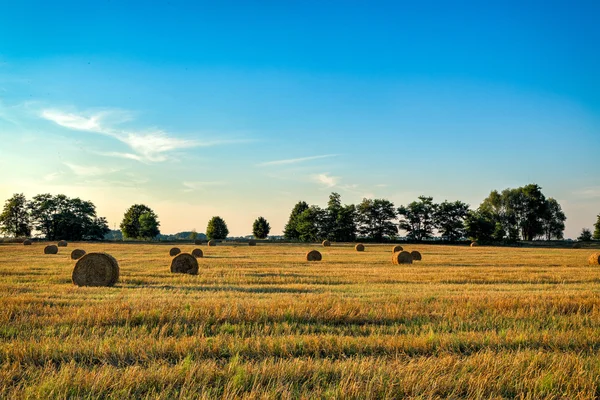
pixel 294 160
pixel 327 180
pixel 193 186
pixel 147 146
pixel 588 193
pixel 81 170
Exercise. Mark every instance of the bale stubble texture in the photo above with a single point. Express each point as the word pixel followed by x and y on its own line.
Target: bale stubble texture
pixel 27 242
pixel 594 259
pixel 251 242
pixel 403 257
pixel 326 243
pixel 397 248
pixel 198 253
pixel 359 247
pixel 416 256
pixel 313 255
pixel 184 263
pixel 474 244
pixel 96 269
pixel 62 243
pixel 174 251
pixel 212 242
pixel 77 254
pixel 51 249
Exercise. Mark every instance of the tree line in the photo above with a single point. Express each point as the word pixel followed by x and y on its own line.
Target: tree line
pixel 522 213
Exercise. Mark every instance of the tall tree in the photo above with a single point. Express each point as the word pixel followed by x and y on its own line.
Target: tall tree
pixel 310 224
pixel 480 226
pixel 596 235
pixel 290 231
pixel 339 220
pixel 375 218
pixel 261 228
pixel 134 226
pixel 217 228
pixel 449 219
pixel 15 219
pixel 418 218
pixel 553 220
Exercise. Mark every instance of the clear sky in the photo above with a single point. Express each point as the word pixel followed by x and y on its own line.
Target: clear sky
pixel 241 109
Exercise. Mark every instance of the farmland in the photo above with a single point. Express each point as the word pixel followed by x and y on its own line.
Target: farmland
pixel 262 322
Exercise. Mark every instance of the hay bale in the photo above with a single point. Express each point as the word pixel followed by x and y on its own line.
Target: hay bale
pixel 474 244
pixel 212 242
pixel 359 247
pixel 62 243
pixel 313 255
pixel 577 245
pixel 184 263
pixel 51 249
pixel 402 257
pixel 27 242
pixel 326 243
pixel 397 248
pixel 77 254
pixel 96 269
pixel 252 243
pixel 594 259
pixel 198 242
pixel 198 253
pixel 174 251
pixel 416 256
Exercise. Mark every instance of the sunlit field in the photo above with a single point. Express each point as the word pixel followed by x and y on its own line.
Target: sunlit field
pixel 260 322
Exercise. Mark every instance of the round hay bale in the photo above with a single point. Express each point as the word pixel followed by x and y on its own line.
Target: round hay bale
pixel 359 247
pixel 198 242
pixel 403 257
pixel 313 255
pixel 416 256
pixel 577 245
pixel 51 249
pixel 27 242
pixel 77 254
pixel 594 259
pixel 198 253
pixel 212 242
pixel 397 248
pixel 184 263
pixel 474 244
pixel 251 242
pixel 326 243
pixel 62 243
pixel 174 251
pixel 96 269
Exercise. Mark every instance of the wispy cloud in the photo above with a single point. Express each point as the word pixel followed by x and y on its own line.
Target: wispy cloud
pixel 294 160
pixel 588 193
pixel 193 186
pixel 52 176
pixel 147 146
pixel 327 180
pixel 81 170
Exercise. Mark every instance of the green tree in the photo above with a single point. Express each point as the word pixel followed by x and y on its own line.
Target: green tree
pixel 375 218
pixel 339 223
pixel 261 228
pixel 134 226
pixel 60 217
pixel 15 219
pixel 449 219
pixel 553 220
pixel 596 235
pixel 310 224
pixel 193 234
pixel 418 218
pixel 480 226
pixel 290 231
pixel 585 236
pixel 217 228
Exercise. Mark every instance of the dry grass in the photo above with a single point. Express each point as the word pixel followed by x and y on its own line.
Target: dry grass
pixel 263 323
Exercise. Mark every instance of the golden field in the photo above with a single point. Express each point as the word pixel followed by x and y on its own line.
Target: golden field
pixel 260 322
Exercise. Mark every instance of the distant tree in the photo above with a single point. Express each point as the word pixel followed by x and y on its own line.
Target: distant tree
pixel 375 218
pixel 339 223
pixel 60 217
pixel 553 220
pixel 596 235
pixel 290 231
pixel 585 236
pixel 15 219
pixel 140 222
pixel 261 228
pixel 217 228
pixel 418 218
pixel 193 235
pixel 310 224
pixel 480 226
pixel 449 219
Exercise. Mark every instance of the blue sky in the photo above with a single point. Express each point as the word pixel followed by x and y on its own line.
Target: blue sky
pixel 243 108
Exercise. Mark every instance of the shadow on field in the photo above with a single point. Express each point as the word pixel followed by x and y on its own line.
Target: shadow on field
pixel 225 289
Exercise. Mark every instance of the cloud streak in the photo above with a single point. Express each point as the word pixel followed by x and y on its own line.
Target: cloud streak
pixel 294 160
pixel 81 170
